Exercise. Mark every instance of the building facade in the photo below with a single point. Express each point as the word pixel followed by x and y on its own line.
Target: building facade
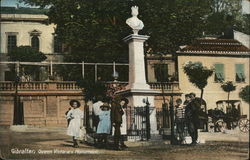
pixel 230 61
pixel 27 27
pixel 44 103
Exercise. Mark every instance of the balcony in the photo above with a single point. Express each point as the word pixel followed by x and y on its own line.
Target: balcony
pixel 40 88
pixel 168 86
pixel 68 87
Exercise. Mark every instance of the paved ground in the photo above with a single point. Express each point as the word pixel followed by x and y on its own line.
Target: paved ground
pixel 52 143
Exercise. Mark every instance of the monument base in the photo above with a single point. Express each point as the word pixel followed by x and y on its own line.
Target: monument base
pixel 137 98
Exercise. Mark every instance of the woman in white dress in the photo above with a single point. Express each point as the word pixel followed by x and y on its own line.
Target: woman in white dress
pixel 76 122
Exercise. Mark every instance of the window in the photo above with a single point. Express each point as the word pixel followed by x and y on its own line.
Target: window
pixel 240 75
pixel 35 42
pixel 219 73
pixel 161 72
pixel 12 41
pixel 57 45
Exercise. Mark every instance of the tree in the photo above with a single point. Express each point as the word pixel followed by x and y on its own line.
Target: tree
pixel 92 89
pixel 228 87
pixel 245 94
pixel 245 26
pixel 27 54
pixel 197 74
pixel 224 15
pixel 94 30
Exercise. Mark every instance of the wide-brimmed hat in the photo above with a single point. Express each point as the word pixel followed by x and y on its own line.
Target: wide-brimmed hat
pixel 125 99
pixel 73 100
pixel 105 105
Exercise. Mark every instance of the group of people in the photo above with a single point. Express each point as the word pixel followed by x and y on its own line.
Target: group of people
pixel 108 117
pixel 187 118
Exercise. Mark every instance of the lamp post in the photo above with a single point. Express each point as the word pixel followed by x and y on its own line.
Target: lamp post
pixel 16 102
pixel 115 75
pixel 147 114
pixel 172 141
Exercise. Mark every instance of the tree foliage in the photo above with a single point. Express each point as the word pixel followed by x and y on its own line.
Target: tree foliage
pixel 228 86
pixel 197 74
pixel 92 31
pixel 27 54
pixel 224 15
pixel 97 27
pixel 245 94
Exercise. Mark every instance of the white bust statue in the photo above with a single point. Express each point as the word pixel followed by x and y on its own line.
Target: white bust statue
pixel 133 22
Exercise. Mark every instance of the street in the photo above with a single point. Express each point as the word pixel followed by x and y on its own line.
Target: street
pixel 54 144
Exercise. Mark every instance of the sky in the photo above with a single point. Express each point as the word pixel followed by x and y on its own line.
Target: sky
pixel 12 3
pixel 245 4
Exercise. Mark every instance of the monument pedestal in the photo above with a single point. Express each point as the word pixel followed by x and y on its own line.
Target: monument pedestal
pixel 137 91
pixel 137 98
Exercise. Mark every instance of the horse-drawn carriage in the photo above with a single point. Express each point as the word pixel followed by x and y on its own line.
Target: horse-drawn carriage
pixel 227 115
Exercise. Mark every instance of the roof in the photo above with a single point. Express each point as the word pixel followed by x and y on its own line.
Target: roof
pixel 21 10
pixel 216 46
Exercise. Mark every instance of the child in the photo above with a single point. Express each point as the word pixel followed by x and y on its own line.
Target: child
pixel 104 125
pixel 76 122
pixel 179 119
pixel 68 120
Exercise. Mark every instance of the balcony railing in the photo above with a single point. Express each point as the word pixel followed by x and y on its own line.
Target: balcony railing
pixel 38 86
pixel 165 85
pixel 71 85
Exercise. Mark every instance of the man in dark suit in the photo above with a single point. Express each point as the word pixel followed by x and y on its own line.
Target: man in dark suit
pixel 192 116
pixel 117 112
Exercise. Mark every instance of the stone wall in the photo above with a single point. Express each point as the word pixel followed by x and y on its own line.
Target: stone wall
pixel 38 110
pixel 6 110
pixel 44 103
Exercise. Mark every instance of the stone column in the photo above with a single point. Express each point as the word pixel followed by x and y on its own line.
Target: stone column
pixel 138 89
pixel 137 78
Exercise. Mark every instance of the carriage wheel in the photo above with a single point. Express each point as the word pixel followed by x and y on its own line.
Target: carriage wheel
pixel 244 125
pixel 221 125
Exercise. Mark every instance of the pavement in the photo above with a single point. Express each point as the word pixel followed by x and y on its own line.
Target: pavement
pixel 53 143
pixel 228 135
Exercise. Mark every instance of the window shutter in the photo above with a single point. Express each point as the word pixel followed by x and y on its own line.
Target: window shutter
pixel 240 75
pixel 219 70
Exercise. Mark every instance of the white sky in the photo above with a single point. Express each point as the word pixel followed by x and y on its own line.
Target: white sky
pixel 246 7
pixel 13 3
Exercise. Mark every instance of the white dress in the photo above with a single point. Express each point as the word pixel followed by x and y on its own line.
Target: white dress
pixel 96 107
pixel 75 123
pixel 124 123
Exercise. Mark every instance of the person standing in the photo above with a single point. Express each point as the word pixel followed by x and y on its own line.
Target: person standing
pixel 118 118
pixel 68 120
pixel 192 117
pixel 180 119
pixel 76 122
pixel 96 111
pixel 104 125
